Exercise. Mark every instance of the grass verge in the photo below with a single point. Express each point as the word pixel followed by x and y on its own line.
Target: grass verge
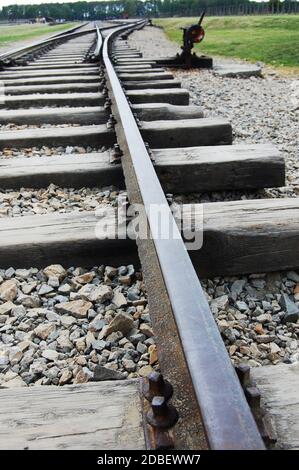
pixel 13 34
pixel 272 39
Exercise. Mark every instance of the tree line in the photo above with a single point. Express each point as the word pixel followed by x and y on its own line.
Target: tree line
pixel 147 8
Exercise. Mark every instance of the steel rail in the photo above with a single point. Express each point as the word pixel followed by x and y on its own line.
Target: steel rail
pixel 98 50
pixel 227 419
pixel 72 32
pixel 15 53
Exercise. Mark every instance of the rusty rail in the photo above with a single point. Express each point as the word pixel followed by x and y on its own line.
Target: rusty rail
pixel 179 308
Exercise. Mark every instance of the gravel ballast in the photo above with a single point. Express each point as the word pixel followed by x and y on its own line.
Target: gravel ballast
pixel 20 127
pixel 61 326
pixel 28 201
pixel 44 151
pixel 74 325
pixel 261 110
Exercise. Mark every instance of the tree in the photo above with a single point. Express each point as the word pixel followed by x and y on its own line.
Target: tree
pixel 130 7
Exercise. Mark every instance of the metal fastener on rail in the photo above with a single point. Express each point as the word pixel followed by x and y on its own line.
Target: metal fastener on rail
pixel 243 372
pixel 162 415
pixel 155 385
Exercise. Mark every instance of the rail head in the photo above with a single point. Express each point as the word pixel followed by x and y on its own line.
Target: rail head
pixel 227 419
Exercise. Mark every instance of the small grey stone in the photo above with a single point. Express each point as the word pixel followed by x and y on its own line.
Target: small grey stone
pixel 149 341
pixel 77 308
pixel 53 282
pixel 145 317
pixel 141 348
pixel 133 294
pixel 28 301
pixel 98 345
pixel 131 270
pixel 131 354
pixel 56 271
pixel 258 283
pixel 266 305
pixel 97 324
pixel 69 149
pixel 15 383
pixel 114 337
pixel 122 270
pixel 88 372
pixel 67 320
pixel 61 299
pixel 265 317
pixel 242 306
pixel 95 293
pixel 23 273
pixel 4 360
pixel 121 322
pixel 52 316
pixel 63 342
pixel 9 273
pixel 6 308
pixel 45 289
pixel 135 337
pixel 19 311
pixel 129 365
pixel 91 314
pixel 220 303
pixel 229 333
pixel 6 339
pixel 265 338
pixel 290 308
pixel 102 373
pixel 43 330
pixel 237 287
pixel 146 329
pixel 293 276
pixel 257 312
pixel 52 373
pixel 119 299
pixel 64 289
pixel 50 354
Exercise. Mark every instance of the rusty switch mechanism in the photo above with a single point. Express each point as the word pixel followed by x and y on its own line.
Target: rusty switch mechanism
pixel 193 34
pixel 159 415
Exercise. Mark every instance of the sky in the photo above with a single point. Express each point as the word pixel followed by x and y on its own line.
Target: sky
pixel 3 3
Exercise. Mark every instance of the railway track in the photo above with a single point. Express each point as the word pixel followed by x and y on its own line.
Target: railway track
pixel 87 110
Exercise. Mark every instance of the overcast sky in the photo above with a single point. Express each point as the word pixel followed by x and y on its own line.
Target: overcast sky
pixel 30 2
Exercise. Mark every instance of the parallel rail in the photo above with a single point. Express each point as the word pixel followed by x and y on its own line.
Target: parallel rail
pixel 226 416
pixel 15 53
pixel 55 39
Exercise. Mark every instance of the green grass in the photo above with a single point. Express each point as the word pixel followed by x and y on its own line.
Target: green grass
pixel 272 39
pixel 12 34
